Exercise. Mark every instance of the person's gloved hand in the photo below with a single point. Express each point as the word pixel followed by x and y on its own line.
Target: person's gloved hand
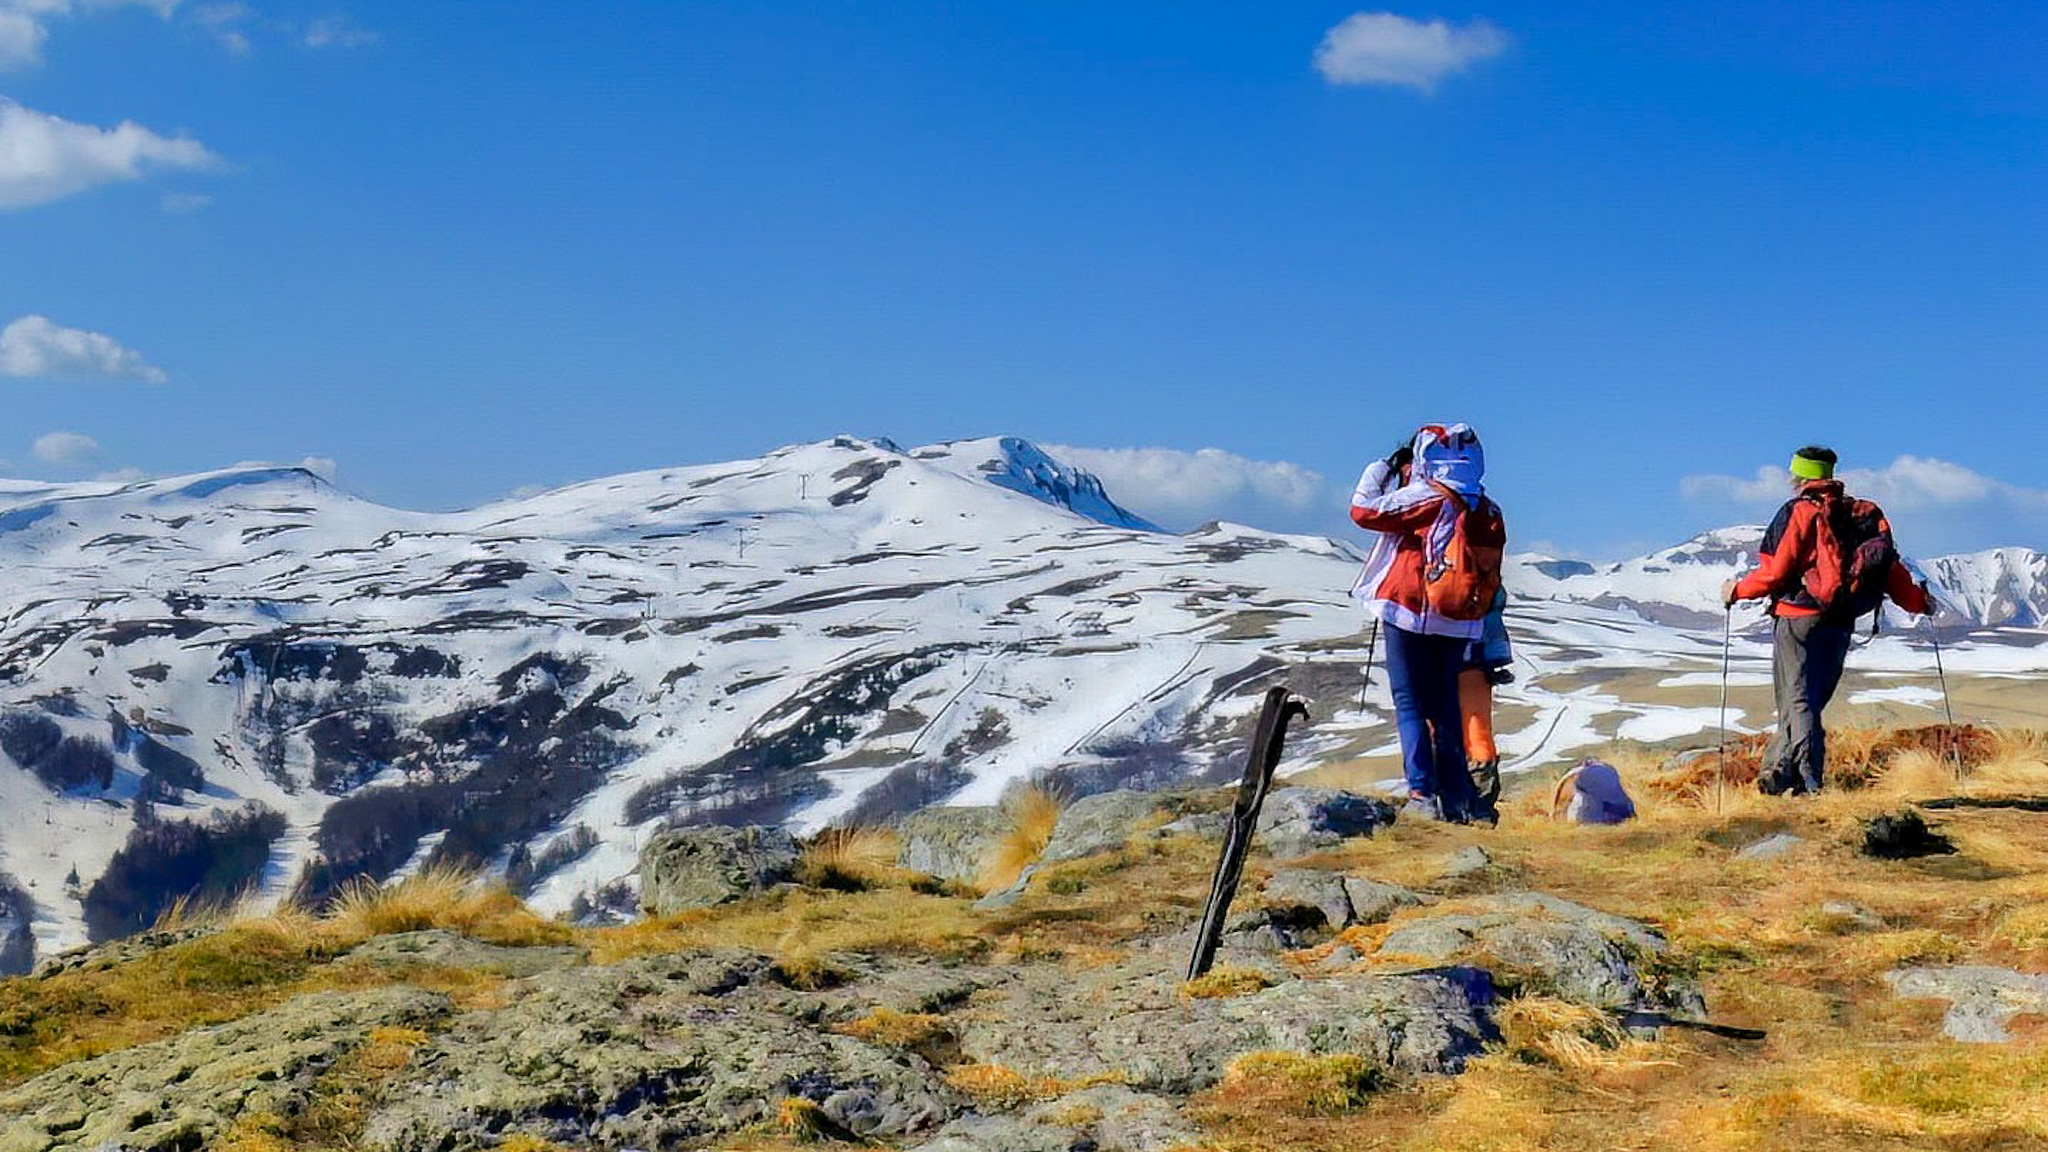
pixel 1728 592
pixel 1501 675
pixel 1933 605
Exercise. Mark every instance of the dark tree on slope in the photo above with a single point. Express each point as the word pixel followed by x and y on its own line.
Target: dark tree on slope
pixel 17 944
pixel 168 860
pixel 61 762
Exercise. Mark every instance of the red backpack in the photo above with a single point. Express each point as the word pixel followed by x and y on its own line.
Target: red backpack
pixel 1853 556
pixel 1463 578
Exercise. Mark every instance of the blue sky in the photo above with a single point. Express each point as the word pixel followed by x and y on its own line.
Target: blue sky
pixel 1235 249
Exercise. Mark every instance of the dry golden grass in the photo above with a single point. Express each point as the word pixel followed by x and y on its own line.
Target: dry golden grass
pixel 891 1029
pixel 852 859
pixel 450 898
pixel 1033 812
pixel 1916 774
pixel 805 1122
pixel 2018 762
pixel 994 1086
pixel 802 929
pixel 1294 1083
pixel 1226 981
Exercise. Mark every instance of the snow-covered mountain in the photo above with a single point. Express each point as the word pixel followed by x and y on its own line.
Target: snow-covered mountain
pixel 252 678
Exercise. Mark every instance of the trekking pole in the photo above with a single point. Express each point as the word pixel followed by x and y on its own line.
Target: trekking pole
pixel 1721 763
pixel 1372 645
pixel 1955 738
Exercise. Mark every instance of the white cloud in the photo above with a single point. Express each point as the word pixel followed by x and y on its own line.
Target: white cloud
pixel 34 346
pixel 337 32
pixel 225 23
pixel 1934 504
pixel 44 158
pixel 1384 48
pixel 66 449
pixel 322 466
pixel 25 24
pixel 1178 489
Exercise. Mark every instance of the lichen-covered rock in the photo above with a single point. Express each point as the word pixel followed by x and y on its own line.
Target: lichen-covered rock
pixel 1550 945
pixel 1298 821
pixel 1982 999
pixel 950 843
pixel 1374 902
pixel 1103 822
pixel 1134 1021
pixel 182 1093
pixel 650 1053
pixel 698 867
pixel 453 950
pixel 1105 1118
pixel 114 953
pixel 1311 889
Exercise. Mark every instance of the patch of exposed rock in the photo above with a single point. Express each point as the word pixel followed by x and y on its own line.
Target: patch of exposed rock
pixel 182 1093
pixel 1133 1020
pixel 650 1053
pixel 950 843
pixel 698 867
pixel 1982 999
pixel 1296 822
pixel 1541 943
pixel 452 950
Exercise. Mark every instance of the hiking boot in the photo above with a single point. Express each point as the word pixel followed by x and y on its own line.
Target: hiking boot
pixel 1420 807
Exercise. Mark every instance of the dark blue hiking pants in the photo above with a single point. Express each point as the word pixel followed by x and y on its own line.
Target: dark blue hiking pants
pixel 1423 672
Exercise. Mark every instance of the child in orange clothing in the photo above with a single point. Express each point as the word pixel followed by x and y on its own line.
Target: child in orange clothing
pixel 1486 664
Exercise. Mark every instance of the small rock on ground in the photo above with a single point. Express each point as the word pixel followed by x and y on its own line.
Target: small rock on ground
pixel 1982 999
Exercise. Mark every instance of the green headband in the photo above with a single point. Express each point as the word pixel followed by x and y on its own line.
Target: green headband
pixel 1807 468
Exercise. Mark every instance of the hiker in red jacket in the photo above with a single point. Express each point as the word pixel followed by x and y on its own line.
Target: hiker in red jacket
pixel 1826 559
pixel 1430 579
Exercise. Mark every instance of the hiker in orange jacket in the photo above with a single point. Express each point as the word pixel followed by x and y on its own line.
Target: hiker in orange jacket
pixel 1425 647
pixel 1821 543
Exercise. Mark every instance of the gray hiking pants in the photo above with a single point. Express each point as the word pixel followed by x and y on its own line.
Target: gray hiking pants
pixel 1806 667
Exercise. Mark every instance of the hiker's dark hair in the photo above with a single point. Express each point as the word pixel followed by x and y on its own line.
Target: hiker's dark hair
pixel 1817 452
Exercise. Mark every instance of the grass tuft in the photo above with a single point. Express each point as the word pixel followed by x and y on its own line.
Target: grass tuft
pixel 446 897
pixel 1224 982
pixel 994 1086
pixel 892 1029
pixel 852 860
pixel 1295 1084
pixel 1033 812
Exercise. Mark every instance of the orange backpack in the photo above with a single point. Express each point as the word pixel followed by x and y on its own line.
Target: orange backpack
pixel 1464 576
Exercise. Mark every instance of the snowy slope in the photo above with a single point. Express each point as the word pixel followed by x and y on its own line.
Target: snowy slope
pixel 311 687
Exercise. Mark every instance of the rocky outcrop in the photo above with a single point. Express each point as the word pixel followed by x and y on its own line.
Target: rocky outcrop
pixel 450 950
pixel 183 1093
pixel 685 868
pixel 1103 822
pixel 650 1053
pixel 1133 1021
pixel 950 843
pixel 1540 943
pixel 1296 822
